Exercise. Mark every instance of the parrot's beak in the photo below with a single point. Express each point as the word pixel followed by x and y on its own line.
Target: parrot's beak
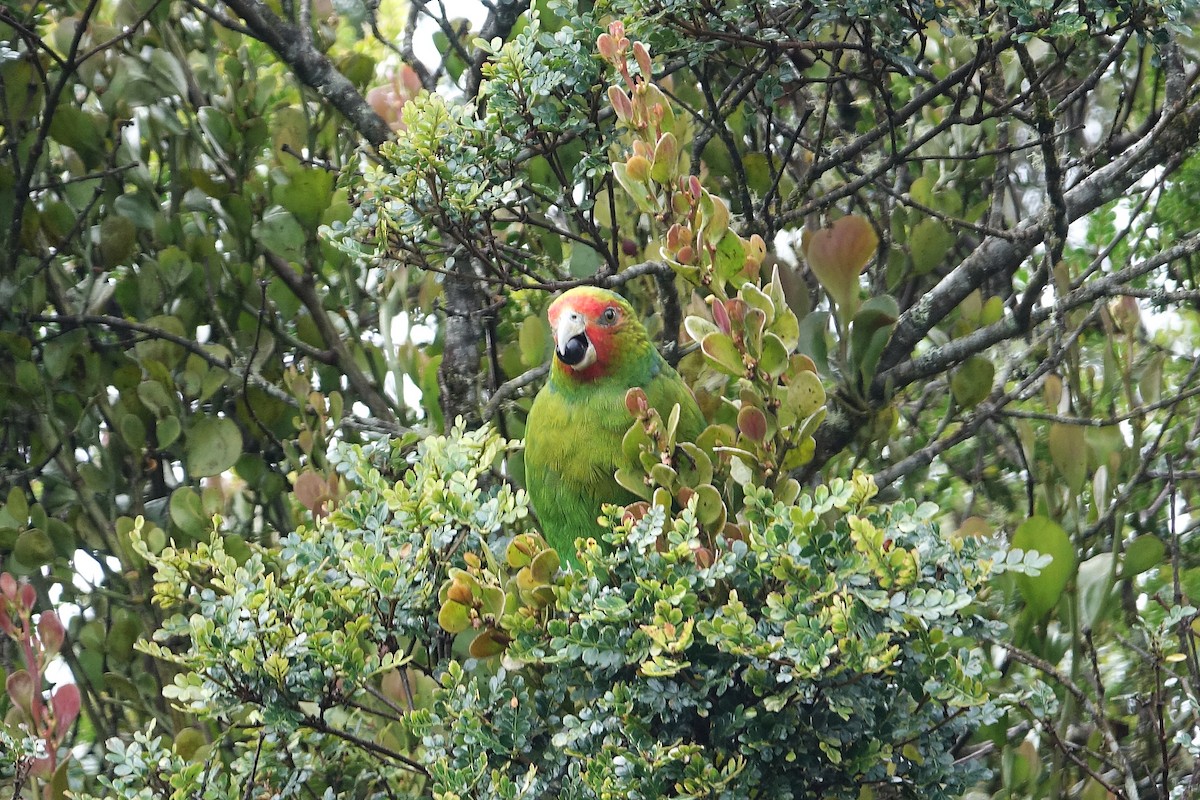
pixel 571 344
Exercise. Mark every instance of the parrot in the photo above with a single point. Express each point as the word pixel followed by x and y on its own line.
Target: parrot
pixel 578 419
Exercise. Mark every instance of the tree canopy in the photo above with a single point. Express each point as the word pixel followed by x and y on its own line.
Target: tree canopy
pixel 273 294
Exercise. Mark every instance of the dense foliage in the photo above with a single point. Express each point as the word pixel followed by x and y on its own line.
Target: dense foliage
pixel 826 651
pixel 257 256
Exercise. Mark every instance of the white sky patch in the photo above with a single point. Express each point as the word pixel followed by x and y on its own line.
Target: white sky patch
pixel 403 330
pixel 87 575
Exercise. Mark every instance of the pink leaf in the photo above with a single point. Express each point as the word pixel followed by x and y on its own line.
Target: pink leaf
pixel 51 632
pixel 65 704
pixel 20 688
pixel 8 585
pixel 28 595
pixel 721 316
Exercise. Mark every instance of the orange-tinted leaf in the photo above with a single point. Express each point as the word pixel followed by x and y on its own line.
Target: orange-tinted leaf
pixel 837 255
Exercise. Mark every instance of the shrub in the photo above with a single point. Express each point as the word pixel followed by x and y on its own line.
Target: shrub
pixel 824 645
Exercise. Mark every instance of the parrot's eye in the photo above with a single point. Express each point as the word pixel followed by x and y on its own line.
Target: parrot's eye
pixel 609 316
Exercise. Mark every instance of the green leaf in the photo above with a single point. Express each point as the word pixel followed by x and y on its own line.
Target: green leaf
pixel 535 340
pixel 774 358
pixel 187 511
pixel 1095 588
pixel 758 173
pixel 166 431
pixel 306 195
pixel 133 431
pixel 1068 451
pixel 217 127
pixel 723 353
pixel 77 129
pixel 730 257
pixel 487 644
pixel 161 350
pixel 1143 553
pixel 33 548
pixel 585 262
pixel 188 741
pixel 812 340
pixel 1041 592
pixel 454 617
pixel 805 394
pixel 869 334
pixel 972 381
pixel 118 237
pixel 638 190
pixel 17 505
pixel 279 232
pixel 698 327
pixel 928 244
pixel 213 445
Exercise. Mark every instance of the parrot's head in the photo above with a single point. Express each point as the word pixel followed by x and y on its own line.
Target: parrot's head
pixel 596 333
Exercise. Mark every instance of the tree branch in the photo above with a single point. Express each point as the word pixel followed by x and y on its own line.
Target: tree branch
pixel 312 67
pixel 305 290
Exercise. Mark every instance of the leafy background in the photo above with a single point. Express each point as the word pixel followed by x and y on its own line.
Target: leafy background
pixel 240 239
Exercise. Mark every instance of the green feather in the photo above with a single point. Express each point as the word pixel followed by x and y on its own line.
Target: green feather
pixel 574 432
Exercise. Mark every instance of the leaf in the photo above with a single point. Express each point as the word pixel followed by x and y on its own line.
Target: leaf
pixel 310 489
pixel 213 446
pixel 585 262
pixel 161 350
pixel 1095 588
pixel 534 340
pixel 869 334
pixel 710 509
pixel 1068 451
pixel 487 644
pixel 928 244
pixel 154 396
pixel 133 431
pixel 837 255
pixel 758 172
pixel 638 190
pixel 1041 592
pixel 730 257
pixel 33 548
pixel 698 327
pixel 972 381
pixel 65 702
pixel 806 394
pixel 118 237
pixel 306 195
pixel 752 423
pixel 77 129
pixel 166 431
pixel 723 353
pixel 454 617
pixel 187 511
pixel 812 340
pixel 279 232
pixel 544 566
pixel 774 358
pixel 1143 553
pixel 19 686
pixel 187 742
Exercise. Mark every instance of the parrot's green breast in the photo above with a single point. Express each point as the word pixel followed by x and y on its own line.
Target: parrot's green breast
pixel 573 445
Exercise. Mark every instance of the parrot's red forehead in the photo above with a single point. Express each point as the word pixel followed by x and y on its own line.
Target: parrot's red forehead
pixel 586 300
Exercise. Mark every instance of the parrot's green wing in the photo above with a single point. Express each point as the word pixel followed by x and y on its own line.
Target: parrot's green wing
pixel 664 390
